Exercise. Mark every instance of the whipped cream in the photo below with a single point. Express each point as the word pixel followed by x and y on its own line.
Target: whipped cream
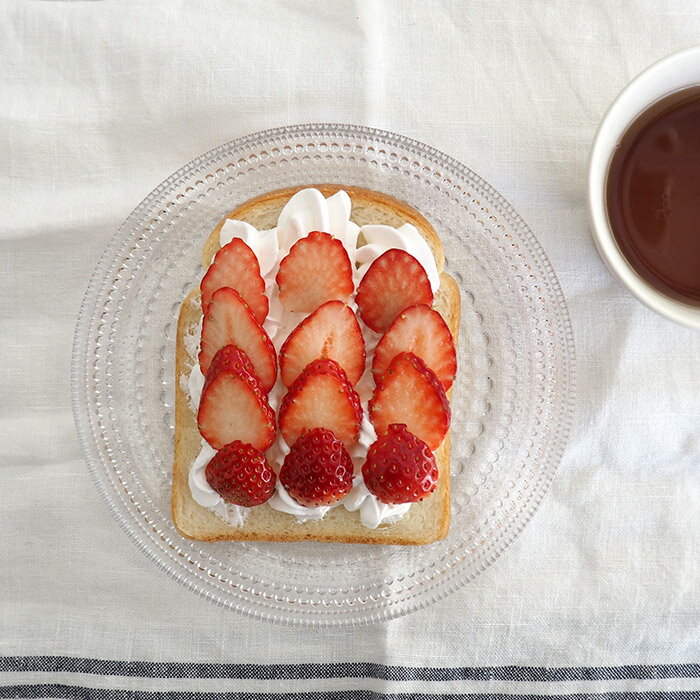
pixel 263 243
pixel 373 512
pixel 308 210
pixel 282 501
pixel 380 238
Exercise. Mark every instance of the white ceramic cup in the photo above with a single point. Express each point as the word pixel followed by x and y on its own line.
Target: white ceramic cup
pixel 669 75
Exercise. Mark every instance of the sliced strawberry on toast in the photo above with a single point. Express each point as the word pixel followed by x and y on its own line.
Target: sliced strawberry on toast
pixel 321 397
pixel 332 331
pixel 241 474
pixel 410 393
pixel 318 470
pixel 230 321
pixel 236 266
pixel 400 468
pixel 393 282
pixel 422 331
pixel 316 270
pixel 233 406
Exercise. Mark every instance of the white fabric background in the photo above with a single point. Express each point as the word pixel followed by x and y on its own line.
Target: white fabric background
pixel 100 101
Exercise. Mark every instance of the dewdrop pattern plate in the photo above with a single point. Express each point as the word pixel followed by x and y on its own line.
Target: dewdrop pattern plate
pixel 512 401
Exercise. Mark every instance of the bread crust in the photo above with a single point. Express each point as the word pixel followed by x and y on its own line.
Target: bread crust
pixel 426 521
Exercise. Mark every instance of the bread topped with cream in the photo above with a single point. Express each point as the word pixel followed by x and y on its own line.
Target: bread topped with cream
pixel 314 369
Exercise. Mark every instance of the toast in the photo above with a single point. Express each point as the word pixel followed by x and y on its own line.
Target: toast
pixel 425 522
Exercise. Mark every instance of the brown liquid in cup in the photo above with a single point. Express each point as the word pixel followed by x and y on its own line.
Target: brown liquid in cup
pixel 653 195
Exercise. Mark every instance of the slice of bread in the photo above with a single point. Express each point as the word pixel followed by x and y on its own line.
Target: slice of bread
pixel 425 522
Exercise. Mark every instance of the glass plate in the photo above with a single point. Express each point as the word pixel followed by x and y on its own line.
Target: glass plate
pixel 512 402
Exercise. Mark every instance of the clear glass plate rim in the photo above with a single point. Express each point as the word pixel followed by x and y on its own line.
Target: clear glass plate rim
pixel 99 281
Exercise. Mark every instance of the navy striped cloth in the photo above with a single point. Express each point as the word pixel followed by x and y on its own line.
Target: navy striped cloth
pixel 95 679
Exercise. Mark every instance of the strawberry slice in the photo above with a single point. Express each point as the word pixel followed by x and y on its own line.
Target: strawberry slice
pixel 233 406
pixel 393 282
pixel 230 359
pixel 229 321
pixel 321 397
pixel 318 470
pixel 241 474
pixel 422 331
pixel 317 269
pixel 400 468
pixel 410 393
pixel 332 331
pixel 236 266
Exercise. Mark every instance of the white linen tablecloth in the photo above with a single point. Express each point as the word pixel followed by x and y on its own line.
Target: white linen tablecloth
pixel 100 101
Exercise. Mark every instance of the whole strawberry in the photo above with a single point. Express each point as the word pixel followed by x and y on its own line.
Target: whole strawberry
pixel 240 474
pixel 318 470
pixel 400 468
